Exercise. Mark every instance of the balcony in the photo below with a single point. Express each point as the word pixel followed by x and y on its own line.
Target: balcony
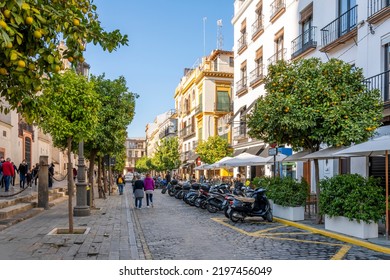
pixel 187 132
pixel 257 75
pixel 382 83
pixel 198 109
pixel 223 107
pixel 378 10
pixel 240 133
pixel 241 43
pixel 241 86
pixel 340 30
pixel 168 131
pixel 279 55
pixel 257 28
pixel 278 7
pixel 304 43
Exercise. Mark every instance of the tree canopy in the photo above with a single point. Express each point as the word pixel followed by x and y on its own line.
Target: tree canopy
pixel 214 149
pixel 167 155
pixel 30 33
pixel 309 102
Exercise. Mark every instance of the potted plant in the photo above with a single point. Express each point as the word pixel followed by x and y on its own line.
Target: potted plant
pixel 352 204
pixel 288 196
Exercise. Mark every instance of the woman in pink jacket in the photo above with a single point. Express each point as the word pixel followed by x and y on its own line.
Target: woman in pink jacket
pixel 149 188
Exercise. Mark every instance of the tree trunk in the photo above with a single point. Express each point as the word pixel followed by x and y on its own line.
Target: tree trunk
pixel 104 177
pixel 317 182
pixel 70 185
pixel 90 178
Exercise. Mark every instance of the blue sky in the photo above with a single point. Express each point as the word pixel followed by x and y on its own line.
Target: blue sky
pixel 165 36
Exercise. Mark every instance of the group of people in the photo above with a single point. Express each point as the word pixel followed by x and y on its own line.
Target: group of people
pixel 8 171
pixel 141 188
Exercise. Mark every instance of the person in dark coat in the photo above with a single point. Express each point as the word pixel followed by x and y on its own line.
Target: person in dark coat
pixel 23 169
pixel 138 191
pixel 51 174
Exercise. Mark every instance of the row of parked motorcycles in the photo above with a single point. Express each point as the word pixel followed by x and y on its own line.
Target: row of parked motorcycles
pixel 237 204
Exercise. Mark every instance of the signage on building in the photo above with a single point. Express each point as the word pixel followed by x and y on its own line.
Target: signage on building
pixel 273 151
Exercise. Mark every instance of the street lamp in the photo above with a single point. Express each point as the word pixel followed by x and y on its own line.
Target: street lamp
pixel 81 208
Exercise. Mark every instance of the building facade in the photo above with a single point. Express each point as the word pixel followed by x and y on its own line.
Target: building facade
pixel 135 149
pixel 357 32
pixel 203 103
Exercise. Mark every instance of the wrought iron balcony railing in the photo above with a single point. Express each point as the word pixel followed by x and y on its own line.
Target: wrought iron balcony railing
pixel 279 55
pixel 340 26
pixel 277 6
pixel 376 6
pixel 241 85
pixel 242 42
pixel 240 132
pixel 304 42
pixel 257 26
pixel 257 74
pixel 381 82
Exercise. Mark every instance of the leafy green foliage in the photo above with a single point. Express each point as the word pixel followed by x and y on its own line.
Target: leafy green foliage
pixel 167 155
pixel 309 102
pixel 214 149
pixel 30 32
pixel 352 196
pixel 143 164
pixel 71 108
pixel 284 191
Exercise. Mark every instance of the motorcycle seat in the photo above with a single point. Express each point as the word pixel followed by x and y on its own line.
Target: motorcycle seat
pixel 246 199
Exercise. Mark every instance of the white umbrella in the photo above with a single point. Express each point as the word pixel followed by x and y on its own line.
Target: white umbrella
pixel 327 153
pixel 244 159
pixel 202 167
pixel 277 158
pixel 374 147
pixel 219 163
pixel 297 156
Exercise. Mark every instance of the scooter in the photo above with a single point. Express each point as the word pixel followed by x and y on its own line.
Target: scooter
pixel 255 206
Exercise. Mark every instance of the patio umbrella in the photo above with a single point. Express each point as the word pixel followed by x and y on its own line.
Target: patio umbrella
pixel 244 159
pixel 297 156
pixel 327 153
pixel 374 147
pixel 202 167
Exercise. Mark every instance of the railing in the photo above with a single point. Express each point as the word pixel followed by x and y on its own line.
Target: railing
pixel 276 6
pixel 304 42
pixel 257 74
pixel 375 6
pixel 257 26
pixel 187 131
pixel 239 132
pixel 241 84
pixel 381 82
pixel 198 109
pixel 340 26
pixel 279 55
pixel 242 42
pixel 170 130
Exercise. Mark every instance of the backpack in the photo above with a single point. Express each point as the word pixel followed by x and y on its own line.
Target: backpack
pixel 120 180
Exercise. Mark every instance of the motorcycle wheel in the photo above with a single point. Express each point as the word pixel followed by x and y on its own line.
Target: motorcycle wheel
pixel 269 217
pixel 235 216
pixel 211 208
pixel 178 194
pixel 198 201
pixel 171 192
pixel 203 204
pixel 225 211
pixel 191 201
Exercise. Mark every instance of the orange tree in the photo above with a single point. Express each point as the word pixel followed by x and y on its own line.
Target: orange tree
pixel 309 103
pixel 30 32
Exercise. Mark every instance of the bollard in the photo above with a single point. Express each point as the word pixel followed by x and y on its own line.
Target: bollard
pixel 43 183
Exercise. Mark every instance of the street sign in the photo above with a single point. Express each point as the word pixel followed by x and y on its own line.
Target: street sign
pixel 273 151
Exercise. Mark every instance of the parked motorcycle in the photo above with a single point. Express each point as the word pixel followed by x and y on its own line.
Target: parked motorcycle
pixel 255 206
pixel 192 194
pixel 174 187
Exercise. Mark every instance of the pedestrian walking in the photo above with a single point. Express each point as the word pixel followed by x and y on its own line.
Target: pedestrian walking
pixel 138 191
pixel 119 182
pixel 51 174
pixel 8 172
pixel 1 172
pixel 23 169
pixel 149 189
pixel 35 174
pixel 15 171
pixel 74 174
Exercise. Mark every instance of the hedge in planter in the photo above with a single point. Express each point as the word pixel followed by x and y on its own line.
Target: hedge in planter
pixel 352 196
pixel 284 191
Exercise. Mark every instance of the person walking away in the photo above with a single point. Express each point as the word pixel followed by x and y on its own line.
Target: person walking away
pixel 51 174
pixel 74 174
pixel 168 178
pixel 119 182
pixel 23 169
pixel 35 174
pixel 1 172
pixel 15 171
pixel 8 172
pixel 29 178
pixel 138 191
pixel 149 189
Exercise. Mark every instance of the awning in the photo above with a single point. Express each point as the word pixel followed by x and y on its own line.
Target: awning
pixel 327 153
pixel 239 151
pixel 256 150
pixel 297 156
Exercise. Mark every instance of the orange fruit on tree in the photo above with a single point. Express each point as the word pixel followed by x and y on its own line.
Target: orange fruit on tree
pixel 3 71
pixel 37 34
pixel 9 45
pixel 29 20
pixel 76 22
pixel 21 64
pixel 7 13
pixel 3 24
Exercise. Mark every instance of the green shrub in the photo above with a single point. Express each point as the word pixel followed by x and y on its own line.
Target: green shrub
pixel 352 196
pixel 284 191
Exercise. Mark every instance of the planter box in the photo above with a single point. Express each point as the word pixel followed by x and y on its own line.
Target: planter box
pixel 353 228
pixel 289 213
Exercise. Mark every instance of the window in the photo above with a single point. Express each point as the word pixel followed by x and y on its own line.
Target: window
pixel 348 18
pixel 136 154
pixel 215 63
pixel 130 153
pixel 257 26
pixel 259 62
pixel 231 61
pixel 27 150
pixel 279 45
pixel 306 23
pixel 223 101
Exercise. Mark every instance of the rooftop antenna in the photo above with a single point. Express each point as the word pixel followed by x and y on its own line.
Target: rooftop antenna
pixel 219 35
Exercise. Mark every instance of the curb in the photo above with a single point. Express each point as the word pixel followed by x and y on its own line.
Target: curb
pixel 337 236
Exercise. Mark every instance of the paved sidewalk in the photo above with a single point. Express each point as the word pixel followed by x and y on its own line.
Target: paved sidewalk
pixel 110 234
